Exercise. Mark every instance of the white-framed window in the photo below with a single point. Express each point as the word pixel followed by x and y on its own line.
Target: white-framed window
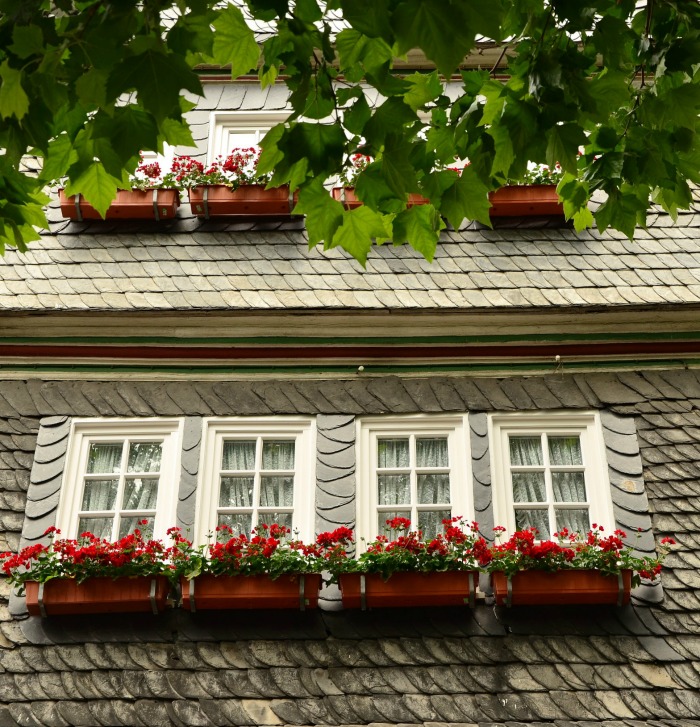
pixel 549 471
pixel 414 466
pixel 257 470
pixel 119 472
pixel 239 129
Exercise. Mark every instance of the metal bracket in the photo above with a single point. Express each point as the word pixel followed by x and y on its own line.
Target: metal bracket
pixel 363 592
pixel 40 599
pixel 472 589
pixel 190 593
pixel 620 589
pixel 78 211
pixel 291 200
pixel 152 596
pixel 302 599
pixel 155 205
pixel 509 592
pixel 205 201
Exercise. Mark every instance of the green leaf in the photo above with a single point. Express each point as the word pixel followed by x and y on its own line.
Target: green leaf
pixel 158 78
pixel 27 40
pixel 441 28
pixel 13 98
pixel 622 211
pixel 321 144
pixel 370 17
pixel 563 141
pixel 419 226
pixel 355 118
pixel 424 89
pixel 60 157
pixel 308 11
pixel 98 187
pixel 91 88
pixel 234 42
pixel 610 92
pixel 324 214
pixel 466 198
pixel 359 228
pixel 397 170
pixel 176 133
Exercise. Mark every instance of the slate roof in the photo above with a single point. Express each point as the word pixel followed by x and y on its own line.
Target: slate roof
pixel 241 266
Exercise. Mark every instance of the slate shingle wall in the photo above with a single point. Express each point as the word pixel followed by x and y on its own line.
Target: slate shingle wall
pixel 486 666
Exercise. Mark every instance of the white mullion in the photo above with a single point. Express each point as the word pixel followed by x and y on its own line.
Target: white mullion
pixel 116 519
pixel 257 477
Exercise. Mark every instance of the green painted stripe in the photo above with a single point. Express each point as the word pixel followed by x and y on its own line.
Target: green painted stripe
pixel 349 369
pixel 354 340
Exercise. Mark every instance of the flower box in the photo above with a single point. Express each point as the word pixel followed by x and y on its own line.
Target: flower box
pixel 64 596
pixel 350 201
pixel 208 592
pixel 567 587
pixel 370 590
pixel 249 199
pixel 525 201
pixel 134 204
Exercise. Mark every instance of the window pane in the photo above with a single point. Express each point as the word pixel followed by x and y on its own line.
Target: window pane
pixel 430 522
pixel 278 456
pixel 99 494
pixel 392 453
pixel 393 490
pixel 431 453
pixel 565 450
pixel 528 487
pixel 140 493
pixel 568 487
pixel 533 518
pixel 236 492
pixel 144 457
pixel 238 456
pixel 433 489
pixel 99 526
pixel 104 458
pixel 283 518
pixel 525 451
pixel 382 517
pixel 129 524
pixel 240 522
pixel 577 521
pixel 276 491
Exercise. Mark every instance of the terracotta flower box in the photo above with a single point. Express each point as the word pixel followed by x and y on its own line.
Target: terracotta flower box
pixel 350 201
pixel 248 200
pixel 245 592
pixel 539 588
pixel 135 204
pixel 525 201
pixel 64 596
pixel 370 590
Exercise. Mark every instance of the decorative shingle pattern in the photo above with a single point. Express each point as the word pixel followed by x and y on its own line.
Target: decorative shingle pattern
pixel 631 667
pixel 247 266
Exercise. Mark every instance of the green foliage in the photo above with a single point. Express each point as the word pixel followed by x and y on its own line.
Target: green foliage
pixel 88 87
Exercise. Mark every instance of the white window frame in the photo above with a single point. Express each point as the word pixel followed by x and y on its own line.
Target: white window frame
pixel 369 429
pixel 85 431
pixel 222 123
pixel 586 425
pixel 219 429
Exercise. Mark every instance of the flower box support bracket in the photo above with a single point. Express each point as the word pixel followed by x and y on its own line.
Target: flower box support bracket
pixel 79 217
pixel 156 214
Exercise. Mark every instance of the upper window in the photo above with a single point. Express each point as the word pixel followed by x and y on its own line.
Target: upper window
pixel 257 471
pixel 549 472
pixel 231 130
pixel 118 474
pixel 414 467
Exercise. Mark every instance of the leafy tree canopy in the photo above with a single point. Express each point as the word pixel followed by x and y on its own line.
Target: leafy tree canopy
pixel 87 84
